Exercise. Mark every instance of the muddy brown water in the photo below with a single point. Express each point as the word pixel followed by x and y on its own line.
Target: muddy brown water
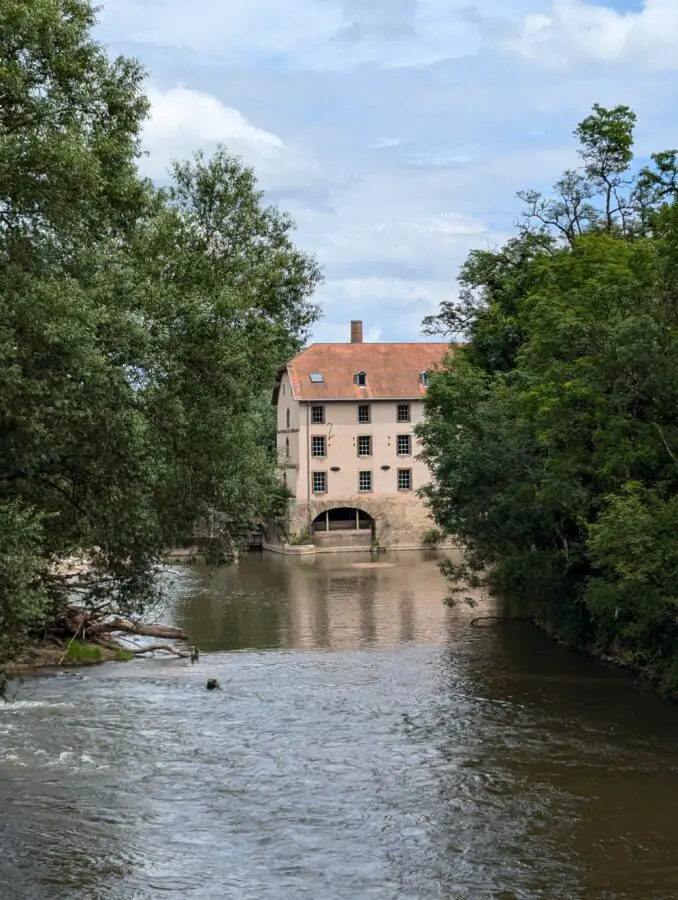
pixel 366 743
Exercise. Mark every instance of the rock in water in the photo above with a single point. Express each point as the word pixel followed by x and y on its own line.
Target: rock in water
pixel 212 684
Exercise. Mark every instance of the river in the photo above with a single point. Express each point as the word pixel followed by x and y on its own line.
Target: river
pixel 367 743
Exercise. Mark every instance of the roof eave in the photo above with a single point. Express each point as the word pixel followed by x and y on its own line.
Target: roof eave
pixel 361 399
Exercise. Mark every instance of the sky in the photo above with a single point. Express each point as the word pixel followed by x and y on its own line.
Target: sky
pixel 396 132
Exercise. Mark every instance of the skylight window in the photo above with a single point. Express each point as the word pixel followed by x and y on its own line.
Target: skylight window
pixel 423 377
pixel 360 379
pixel 316 377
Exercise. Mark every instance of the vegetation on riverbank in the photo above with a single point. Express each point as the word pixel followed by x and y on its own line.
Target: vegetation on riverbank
pixel 138 327
pixel 553 435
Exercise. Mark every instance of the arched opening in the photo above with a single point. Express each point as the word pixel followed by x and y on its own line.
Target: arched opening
pixel 288 418
pixel 343 518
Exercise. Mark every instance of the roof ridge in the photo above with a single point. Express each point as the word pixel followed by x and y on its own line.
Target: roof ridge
pixel 379 344
pixel 363 344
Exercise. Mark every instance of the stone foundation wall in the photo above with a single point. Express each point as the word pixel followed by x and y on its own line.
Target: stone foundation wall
pixel 401 520
pixel 331 541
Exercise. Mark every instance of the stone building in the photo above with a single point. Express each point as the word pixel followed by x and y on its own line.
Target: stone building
pixel 346 418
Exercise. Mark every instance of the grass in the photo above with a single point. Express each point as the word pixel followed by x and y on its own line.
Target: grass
pixel 124 655
pixel 80 652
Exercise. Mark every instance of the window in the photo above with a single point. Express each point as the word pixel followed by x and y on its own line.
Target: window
pixel 287 448
pixel 318 445
pixel 320 482
pixel 404 479
pixel 288 418
pixel 364 416
pixel 364 481
pixel 403 412
pixel 423 377
pixel 360 378
pixel 404 445
pixel 316 377
pixel 318 415
pixel 365 445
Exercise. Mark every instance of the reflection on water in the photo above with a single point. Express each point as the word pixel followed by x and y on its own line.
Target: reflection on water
pixel 335 602
pixel 403 755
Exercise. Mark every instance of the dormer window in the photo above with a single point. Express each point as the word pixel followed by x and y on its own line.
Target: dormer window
pixel 316 377
pixel 360 378
pixel 423 377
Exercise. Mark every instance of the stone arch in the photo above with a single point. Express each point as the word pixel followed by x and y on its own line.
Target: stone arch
pixel 343 518
pixel 364 503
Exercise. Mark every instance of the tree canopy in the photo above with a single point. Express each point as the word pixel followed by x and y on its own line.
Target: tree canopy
pixel 139 327
pixel 552 436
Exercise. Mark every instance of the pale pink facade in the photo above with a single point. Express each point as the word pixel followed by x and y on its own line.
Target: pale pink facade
pixel 343 451
pixel 356 451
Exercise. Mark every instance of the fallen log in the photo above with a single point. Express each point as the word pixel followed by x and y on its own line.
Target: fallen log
pixel 147 630
pixel 140 651
pixel 154 648
pixel 474 622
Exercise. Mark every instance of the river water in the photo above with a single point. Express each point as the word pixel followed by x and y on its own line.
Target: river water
pixel 367 743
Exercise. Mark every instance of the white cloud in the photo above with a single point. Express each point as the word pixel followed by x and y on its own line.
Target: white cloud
pixel 238 30
pixel 341 35
pixel 378 302
pixel 394 174
pixel 454 224
pixel 335 35
pixel 183 121
pixel 385 143
pixel 575 32
pixel 393 235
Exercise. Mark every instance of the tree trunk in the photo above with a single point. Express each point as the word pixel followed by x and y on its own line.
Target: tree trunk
pixel 160 631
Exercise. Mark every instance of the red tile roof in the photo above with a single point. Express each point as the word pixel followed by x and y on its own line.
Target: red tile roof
pixel 392 370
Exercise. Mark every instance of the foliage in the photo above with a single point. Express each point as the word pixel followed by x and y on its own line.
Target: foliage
pixel 431 537
pixel 82 652
pixel 24 596
pixel 302 537
pixel 139 330
pixel 552 435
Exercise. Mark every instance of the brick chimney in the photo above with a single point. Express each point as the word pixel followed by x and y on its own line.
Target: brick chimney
pixel 356 331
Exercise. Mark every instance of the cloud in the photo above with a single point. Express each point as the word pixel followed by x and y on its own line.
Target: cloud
pixel 241 30
pixel 574 32
pixel 385 143
pixel 396 132
pixel 369 298
pixel 381 18
pixel 319 35
pixel 183 120
pixel 342 35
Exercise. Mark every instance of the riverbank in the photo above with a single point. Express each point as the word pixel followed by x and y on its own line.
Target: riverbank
pixel 79 637
pixel 51 655
pixel 651 676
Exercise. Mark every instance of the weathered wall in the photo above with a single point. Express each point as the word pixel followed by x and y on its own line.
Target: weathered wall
pixel 401 520
pixel 342 540
pixel 289 445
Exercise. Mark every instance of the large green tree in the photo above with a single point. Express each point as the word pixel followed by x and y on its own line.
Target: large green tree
pixel 552 436
pixel 138 330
